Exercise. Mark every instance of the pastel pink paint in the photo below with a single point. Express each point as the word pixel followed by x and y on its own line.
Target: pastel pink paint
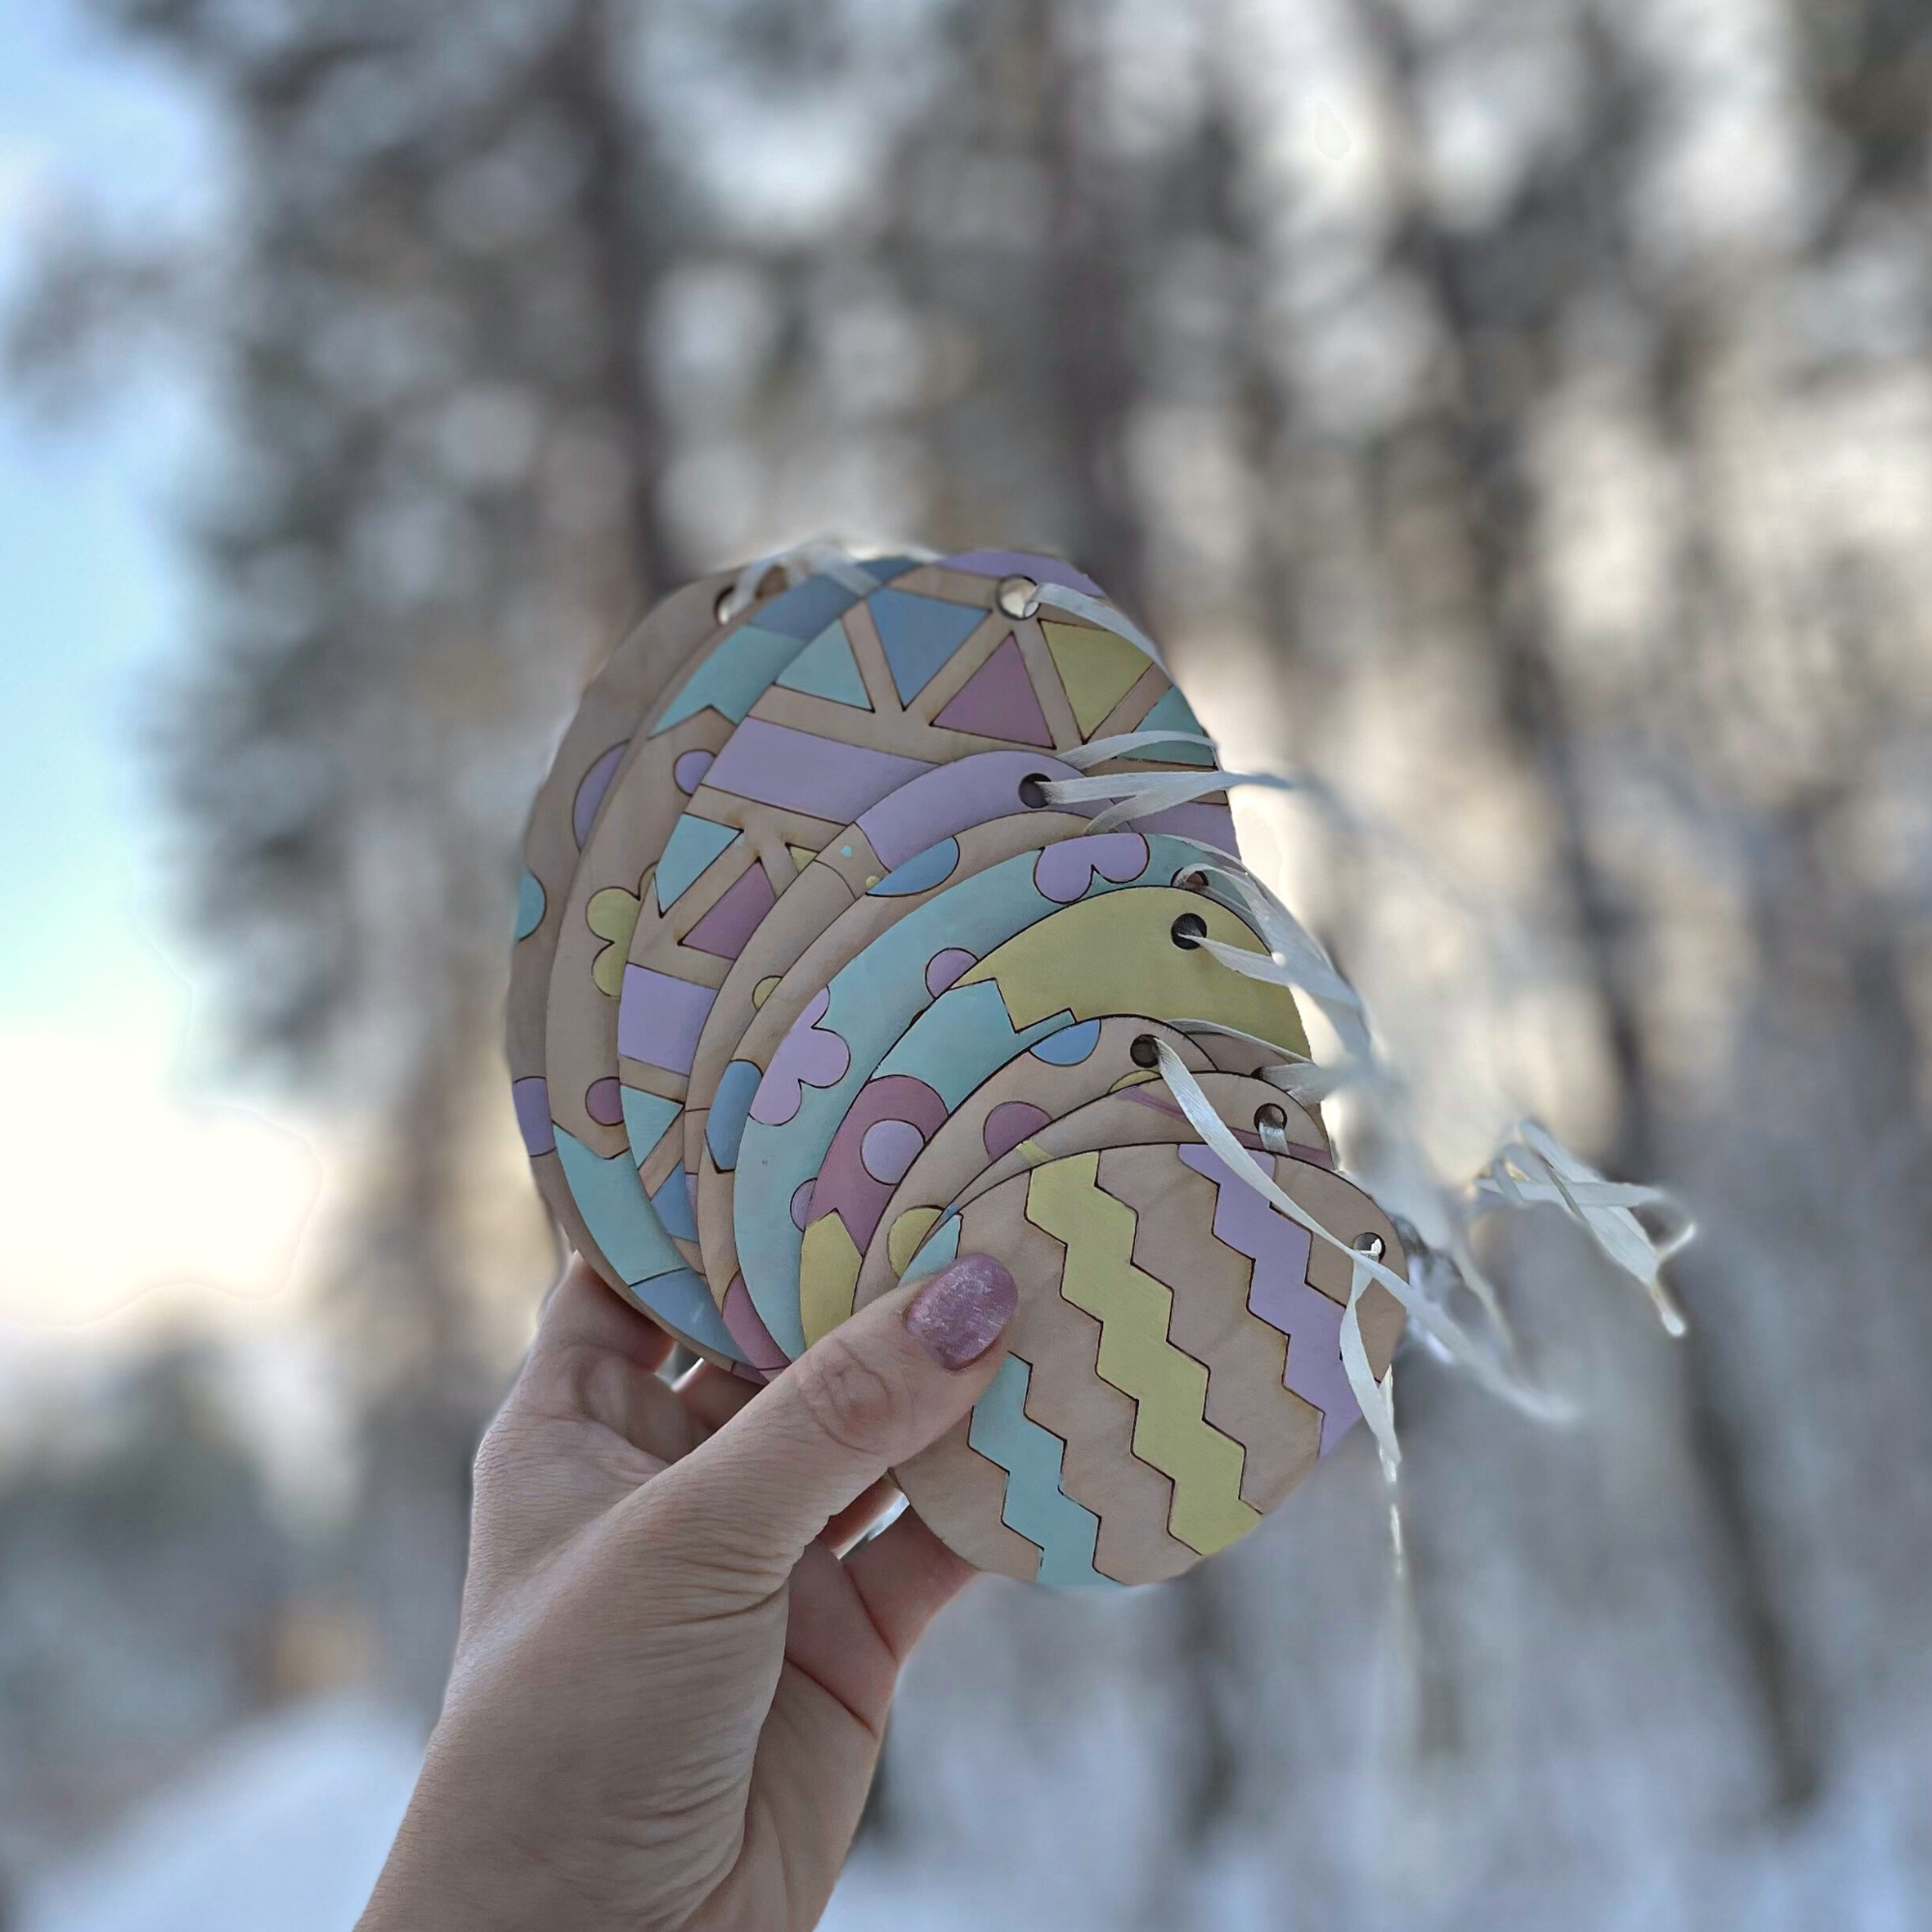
pixel 943 968
pixel 808 1055
pixel 742 1324
pixel 1009 1124
pixel 999 701
pixel 849 1185
pixel 1063 872
pixel 723 930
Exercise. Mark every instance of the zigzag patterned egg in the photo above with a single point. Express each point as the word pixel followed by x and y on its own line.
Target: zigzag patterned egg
pixel 1176 1362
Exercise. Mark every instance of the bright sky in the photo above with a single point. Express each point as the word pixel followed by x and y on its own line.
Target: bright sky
pixel 115 1177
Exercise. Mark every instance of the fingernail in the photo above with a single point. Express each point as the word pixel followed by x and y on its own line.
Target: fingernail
pixel 957 1316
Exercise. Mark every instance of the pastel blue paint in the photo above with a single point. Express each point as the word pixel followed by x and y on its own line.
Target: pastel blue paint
pixel 1036 1506
pixel 919 634
pixel 684 1300
pixel 529 904
pixel 804 610
pixel 1071 1046
pixel 634 1241
pixel 873 1001
pixel 647 1118
pixel 1174 713
pixel 940 1249
pixel 827 669
pixel 920 872
pixel 692 844
pixel 962 1036
pixel 673 1202
pixel 733 677
pixel 730 1107
pixel 609 1193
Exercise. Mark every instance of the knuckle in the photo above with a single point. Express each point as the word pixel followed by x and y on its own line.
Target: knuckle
pixel 490 1452
pixel 494 1462
pixel 849 1400
pixel 677 1519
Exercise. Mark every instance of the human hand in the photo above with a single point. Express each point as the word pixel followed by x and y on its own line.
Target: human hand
pixel 671 1681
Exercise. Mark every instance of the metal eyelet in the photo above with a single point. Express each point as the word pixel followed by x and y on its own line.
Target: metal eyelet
pixel 1371 1245
pixel 1271 1125
pixel 1033 790
pixel 1145 1050
pixel 1018 596
pixel 1188 931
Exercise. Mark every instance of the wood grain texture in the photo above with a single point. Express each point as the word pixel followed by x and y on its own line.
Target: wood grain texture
pixel 1151 1360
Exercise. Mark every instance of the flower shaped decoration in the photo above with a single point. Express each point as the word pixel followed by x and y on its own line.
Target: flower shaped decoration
pixel 612 916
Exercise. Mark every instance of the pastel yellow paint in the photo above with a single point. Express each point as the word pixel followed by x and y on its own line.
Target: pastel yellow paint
pixel 908 1231
pixel 1096 667
pixel 612 916
pixel 764 989
pixel 1113 954
pixel 1139 1077
pixel 801 856
pixel 1169 1389
pixel 828 1275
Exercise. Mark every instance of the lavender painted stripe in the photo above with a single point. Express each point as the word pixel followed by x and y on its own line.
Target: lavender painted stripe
pixel 590 792
pixel 797 771
pixel 531 1096
pixel 1281 1295
pixel 948 799
pixel 1020 563
pixel 1204 824
pixel 659 1018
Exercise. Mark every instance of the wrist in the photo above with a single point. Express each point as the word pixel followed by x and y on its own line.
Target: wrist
pixel 454 1866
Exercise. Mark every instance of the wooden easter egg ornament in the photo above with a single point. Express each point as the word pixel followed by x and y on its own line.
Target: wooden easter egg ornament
pixel 1029 1097
pixel 669 641
pixel 840 1039
pixel 594 1189
pixel 1260 1117
pixel 1102 954
pixel 1175 1365
pixel 920 672
pixel 888 899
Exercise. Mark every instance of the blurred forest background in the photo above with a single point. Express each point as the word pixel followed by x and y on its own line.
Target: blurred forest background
pixel 1517 411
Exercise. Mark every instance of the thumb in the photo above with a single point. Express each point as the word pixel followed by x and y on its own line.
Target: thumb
pixel 878 1389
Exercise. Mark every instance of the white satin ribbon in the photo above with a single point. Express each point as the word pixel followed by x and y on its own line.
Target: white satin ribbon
pixel 817 557
pixel 1098 610
pixel 1436 1321
pixel 1125 744
pixel 1535 1168
pixel 1530 1169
